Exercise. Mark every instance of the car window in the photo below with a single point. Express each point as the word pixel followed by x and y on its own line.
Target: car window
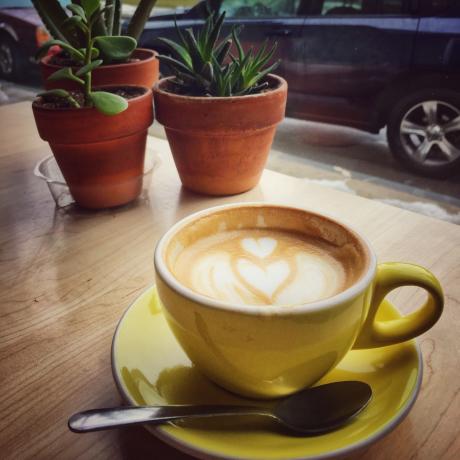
pixel 16 4
pixel 353 7
pixel 342 7
pixel 440 7
pixel 392 7
pixel 260 8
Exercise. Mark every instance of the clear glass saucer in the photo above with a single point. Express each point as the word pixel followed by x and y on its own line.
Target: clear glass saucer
pixel 48 170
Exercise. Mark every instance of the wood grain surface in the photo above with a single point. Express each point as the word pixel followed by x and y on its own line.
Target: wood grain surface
pixel 67 275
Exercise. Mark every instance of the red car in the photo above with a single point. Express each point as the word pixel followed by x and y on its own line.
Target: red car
pixel 21 33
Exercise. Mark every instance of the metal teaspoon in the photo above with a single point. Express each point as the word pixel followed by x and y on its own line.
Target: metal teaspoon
pixel 311 411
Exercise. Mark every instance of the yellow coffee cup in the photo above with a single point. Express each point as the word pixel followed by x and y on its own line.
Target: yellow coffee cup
pixel 272 350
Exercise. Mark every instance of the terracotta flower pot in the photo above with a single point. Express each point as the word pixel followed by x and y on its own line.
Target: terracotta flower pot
pixel 143 72
pixel 220 144
pixel 101 157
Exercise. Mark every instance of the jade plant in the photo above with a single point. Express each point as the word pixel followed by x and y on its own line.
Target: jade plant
pixel 203 66
pixel 84 18
pixel 69 34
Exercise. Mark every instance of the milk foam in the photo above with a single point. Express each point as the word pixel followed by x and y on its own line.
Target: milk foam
pixel 260 267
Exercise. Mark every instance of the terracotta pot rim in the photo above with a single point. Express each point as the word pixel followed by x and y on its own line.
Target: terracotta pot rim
pixel 282 87
pixel 153 55
pixel 147 93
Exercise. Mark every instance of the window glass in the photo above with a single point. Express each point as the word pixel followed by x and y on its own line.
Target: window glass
pixel 440 7
pixel 392 7
pixel 259 8
pixel 352 7
pixel 289 8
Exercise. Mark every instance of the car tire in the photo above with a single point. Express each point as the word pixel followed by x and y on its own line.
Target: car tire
pixel 11 59
pixel 424 132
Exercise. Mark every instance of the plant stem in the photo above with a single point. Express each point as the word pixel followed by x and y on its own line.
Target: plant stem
pixel 89 49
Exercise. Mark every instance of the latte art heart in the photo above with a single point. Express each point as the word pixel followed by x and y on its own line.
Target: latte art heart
pixel 260 247
pixel 260 267
pixel 265 280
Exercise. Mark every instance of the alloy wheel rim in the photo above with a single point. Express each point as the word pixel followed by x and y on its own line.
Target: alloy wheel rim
pixel 430 133
pixel 6 59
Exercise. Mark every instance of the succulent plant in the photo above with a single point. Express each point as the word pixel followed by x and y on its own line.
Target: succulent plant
pixel 106 26
pixel 83 20
pixel 203 66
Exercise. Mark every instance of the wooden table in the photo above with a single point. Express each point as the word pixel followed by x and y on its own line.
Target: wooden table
pixel 66 278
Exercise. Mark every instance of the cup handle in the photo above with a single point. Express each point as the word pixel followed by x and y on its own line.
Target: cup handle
pixel 390 276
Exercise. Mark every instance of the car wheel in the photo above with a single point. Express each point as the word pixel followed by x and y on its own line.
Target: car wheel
pixel 10 59
pixel 424 132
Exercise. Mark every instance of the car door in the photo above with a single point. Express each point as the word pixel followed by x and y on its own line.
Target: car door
pixel 349 51
pixel 438 39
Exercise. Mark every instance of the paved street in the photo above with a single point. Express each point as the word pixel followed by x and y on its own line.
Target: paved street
pixel 360 163
pixel 338 157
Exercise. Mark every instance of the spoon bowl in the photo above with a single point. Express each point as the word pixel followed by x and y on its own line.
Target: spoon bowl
pixel 309 412
pixel 323 408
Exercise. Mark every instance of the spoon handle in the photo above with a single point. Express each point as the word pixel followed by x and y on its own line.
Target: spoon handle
pixel 105 419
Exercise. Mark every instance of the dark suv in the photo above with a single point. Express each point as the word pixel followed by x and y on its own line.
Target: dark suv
pixel 361 63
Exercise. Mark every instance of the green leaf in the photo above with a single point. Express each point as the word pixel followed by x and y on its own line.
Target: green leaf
pixel 98 25
pixel 202 35
pixel 214 35
pixel 235 32
pixel 208 71
pixel 194 50
pixel 77 9
pixel 94 52
pixel 140 17
pixel 117 48
pixel 109 16
pixel 265 72
pixel 99 17
pixel 88 67
pixel 179 33
pixel 62 93
pixel 175 64
pixel 265 58
pixel 179 51
pixel 108 103
pixel 77 55
pixel 54 93
pixel 90 6
pixel 77 22
pixel 65 73
pixel 243 64
pixel 117 18
pixel 259 87
pixel 222 50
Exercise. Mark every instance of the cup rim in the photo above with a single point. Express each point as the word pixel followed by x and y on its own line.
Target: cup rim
pixel 262 310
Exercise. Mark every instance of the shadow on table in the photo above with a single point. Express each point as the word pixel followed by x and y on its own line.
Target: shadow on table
pixel 189 202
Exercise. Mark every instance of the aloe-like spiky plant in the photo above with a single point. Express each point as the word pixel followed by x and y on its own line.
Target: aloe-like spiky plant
pixel 83 20
pixel 203 66
pixel 107 24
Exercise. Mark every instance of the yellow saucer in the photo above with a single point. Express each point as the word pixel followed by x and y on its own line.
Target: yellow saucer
pixel 149 367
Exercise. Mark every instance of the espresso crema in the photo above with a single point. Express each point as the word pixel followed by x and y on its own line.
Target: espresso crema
pixel 262 267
